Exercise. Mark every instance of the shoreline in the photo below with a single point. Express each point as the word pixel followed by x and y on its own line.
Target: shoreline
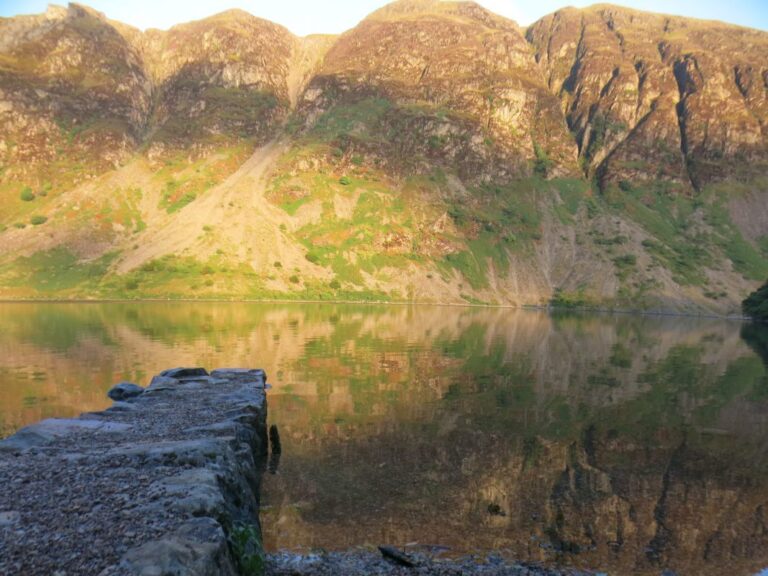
pixel 529 307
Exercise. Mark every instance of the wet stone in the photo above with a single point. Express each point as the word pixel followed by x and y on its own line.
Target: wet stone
pixel 179 373
pixel 9 518
pixel 124 390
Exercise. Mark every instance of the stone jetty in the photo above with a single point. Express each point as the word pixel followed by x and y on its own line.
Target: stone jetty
pixel 165 481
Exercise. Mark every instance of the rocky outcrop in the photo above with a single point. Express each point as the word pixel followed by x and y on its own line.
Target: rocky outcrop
pixel 218 78
pixel 73 90
pixel 653 97
pixel 163 482
pixel 464 87
pixel 756 304
pixel 79 89
pixel 645 96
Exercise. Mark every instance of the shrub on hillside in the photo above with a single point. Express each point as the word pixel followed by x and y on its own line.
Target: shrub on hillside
pixel 756 304
pixel 27 195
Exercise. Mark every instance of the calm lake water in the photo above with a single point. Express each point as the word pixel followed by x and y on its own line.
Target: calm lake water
pixel 627 443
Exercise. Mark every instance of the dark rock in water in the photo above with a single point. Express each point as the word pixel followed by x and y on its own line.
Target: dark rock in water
pixel 274 462
pixel 275 449
pixel 124 390
pixel 396 556
pixel 274 439
pixel 359 562
pixel 178 373
pixel 495 510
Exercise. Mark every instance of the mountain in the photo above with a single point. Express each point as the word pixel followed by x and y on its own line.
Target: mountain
pixel 435 152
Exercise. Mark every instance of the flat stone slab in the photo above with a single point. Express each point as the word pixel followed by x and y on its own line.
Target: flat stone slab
pixel 179 373
pixel 153 485
pixel 46 431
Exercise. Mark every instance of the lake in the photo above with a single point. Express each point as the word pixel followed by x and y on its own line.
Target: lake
pixel 632 444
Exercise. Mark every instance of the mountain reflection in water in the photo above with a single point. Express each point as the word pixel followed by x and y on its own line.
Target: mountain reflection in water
pixel 627 443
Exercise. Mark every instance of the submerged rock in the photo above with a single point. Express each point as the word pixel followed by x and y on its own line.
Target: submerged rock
pixel 364 562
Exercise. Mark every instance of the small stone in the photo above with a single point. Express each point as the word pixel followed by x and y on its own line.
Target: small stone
pixel 9 518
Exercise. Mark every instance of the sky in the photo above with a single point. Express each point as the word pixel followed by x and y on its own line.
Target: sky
pixel 333 16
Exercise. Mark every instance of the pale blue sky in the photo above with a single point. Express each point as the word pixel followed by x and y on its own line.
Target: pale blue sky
pixel 307 16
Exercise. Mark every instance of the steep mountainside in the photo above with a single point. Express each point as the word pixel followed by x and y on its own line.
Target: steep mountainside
pixel 463 86
pixel 224 76
pixel 643 90
pixel 75 93
pixel 436 151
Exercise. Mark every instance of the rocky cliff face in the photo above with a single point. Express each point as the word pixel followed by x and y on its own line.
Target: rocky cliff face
pixel 77 86
pixel 463 83
pixel 651 97
pixel 75 95
pixel 222 77
pixel 436 151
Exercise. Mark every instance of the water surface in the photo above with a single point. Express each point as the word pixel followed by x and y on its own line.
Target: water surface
pixel 627 443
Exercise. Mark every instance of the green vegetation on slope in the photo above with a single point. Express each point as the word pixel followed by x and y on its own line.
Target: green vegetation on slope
pixel 55 272
pixel 373 221
pixel 688 235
